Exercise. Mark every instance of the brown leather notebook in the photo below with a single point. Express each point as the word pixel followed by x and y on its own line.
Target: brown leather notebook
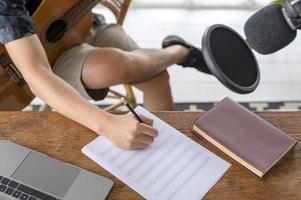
pixel 245 137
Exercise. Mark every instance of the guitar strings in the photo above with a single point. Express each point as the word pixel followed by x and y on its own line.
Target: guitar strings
pixel 87 6
pixel 57 31
pixel 54 33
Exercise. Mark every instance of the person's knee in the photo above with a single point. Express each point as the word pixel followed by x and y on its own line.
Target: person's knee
pixel 164 82
pixel 164 77
pixel 107 66
pixel 161 80
pixel 158 83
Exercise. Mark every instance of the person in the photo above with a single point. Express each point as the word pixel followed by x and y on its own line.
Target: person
pixel 86 71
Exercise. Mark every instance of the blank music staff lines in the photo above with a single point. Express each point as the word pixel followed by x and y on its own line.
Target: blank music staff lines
pixel 146 159
pixel 173 167
pixel 147 171
pixel 188 179
pixel 133 157
pixel 172 163
pixel 177 173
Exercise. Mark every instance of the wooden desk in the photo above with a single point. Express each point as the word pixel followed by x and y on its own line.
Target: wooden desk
pixel 54 135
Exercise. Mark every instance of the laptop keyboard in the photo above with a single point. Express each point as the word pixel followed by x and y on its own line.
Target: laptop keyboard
pixel 20 191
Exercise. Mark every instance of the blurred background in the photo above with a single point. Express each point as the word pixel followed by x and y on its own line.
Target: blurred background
pixel 148 22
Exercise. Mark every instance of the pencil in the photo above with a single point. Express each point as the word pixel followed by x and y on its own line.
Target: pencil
pixel 126 103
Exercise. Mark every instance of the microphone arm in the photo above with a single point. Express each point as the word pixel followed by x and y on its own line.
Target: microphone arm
pixel 297 6
pixel 292 13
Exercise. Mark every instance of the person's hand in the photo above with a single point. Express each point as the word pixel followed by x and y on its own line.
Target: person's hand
pixel 126 132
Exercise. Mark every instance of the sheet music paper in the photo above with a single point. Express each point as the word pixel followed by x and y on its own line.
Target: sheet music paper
pixel 173 167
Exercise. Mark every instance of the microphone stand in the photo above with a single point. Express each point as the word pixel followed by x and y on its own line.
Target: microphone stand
pixel 292 13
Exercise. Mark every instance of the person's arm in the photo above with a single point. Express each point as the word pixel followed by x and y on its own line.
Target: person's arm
pixel 30 58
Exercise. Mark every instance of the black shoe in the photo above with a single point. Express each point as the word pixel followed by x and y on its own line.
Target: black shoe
pixel 195 57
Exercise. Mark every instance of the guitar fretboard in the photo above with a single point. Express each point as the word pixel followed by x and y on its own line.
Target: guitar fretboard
pixel 81 9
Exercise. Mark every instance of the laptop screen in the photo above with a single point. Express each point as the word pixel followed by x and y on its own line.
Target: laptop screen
pixel 46 174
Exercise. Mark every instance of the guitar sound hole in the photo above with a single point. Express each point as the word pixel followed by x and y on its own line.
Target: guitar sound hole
pixel 56 31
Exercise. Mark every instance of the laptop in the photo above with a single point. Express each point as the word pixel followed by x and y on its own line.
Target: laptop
pixel 29 175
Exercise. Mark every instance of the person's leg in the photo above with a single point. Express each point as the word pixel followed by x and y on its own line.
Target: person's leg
pixel 157 93
pixel 155 96
pixel 145 68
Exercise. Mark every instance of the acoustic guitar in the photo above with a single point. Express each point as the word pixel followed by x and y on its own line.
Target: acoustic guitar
pixel 60 26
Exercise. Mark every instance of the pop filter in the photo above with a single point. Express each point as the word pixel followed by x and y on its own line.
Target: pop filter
pixel 230 59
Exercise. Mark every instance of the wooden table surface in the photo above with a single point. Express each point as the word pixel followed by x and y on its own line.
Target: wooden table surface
pixel 62 139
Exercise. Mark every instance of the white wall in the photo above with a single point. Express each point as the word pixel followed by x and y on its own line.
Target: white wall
pixel 201 3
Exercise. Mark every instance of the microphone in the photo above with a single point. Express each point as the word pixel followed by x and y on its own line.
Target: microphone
pixel 273 27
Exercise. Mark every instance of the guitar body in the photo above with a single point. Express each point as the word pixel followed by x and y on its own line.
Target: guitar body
pixel 56 36
pixel 12 96
pixel 49 15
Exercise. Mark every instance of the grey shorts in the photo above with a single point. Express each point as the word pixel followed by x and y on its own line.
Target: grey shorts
pixel 70 64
